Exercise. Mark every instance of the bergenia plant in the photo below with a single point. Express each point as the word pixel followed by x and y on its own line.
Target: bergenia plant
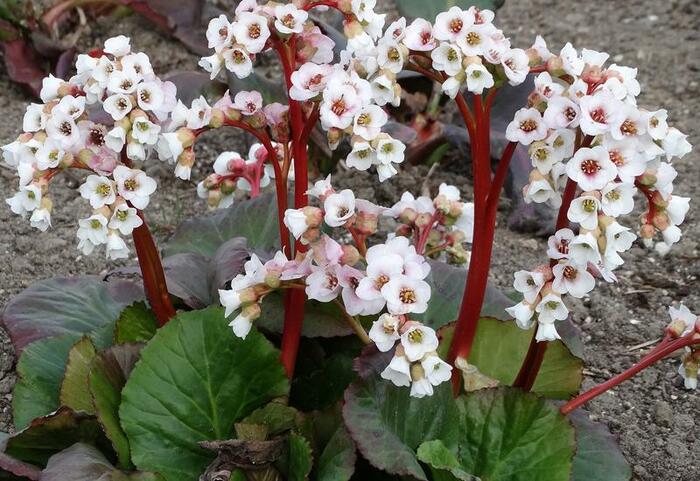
pixel 299 325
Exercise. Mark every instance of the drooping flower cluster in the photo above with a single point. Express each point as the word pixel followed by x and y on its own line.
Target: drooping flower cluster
pixel 120 89
pixel 386 279
pixel 584 130
pixel 685 323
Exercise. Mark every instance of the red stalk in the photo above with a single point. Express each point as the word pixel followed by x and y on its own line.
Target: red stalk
pixel 152 273
pixel 662 350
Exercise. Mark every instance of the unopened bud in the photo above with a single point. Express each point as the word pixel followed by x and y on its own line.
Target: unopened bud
pixel 345 6
pixel 423 220
pixel 314 216
pixel 647 231
pixel 408 216
pixel 676 328
pixel 66 161
pixel 136 113
pixel 257 120
pixel 546 271
pixel 233 114
pixel 353 28
pixel 310 236
pixel 660 221
pixel 366 223
pixel 658 200
pixel 228 186
pixel 104 210
pixel 442 204
pixel 217 118
pixel 555 66
pixel 251 311
pixel 404 230
pixel 214 198
pixel 648 178
pixel 351 255
pixel 186 158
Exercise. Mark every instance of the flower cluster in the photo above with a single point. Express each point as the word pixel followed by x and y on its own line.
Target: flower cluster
pixel 584 130
pixel 685 323
pixel 120 87
pixel 386 278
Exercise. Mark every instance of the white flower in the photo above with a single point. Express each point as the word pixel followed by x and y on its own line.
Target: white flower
pixel 309 81
pixel 390 56
pixel 295 220
pixel 677 208
pixel 150 96
pixel 199 114
pixel 169 147
pixel 591 168
pixel 623 153
pixel 529 284
pixel 398 371
pixel 384 332
pixel 248 102
pixel 118 106
pixel 583 249
pixel 584 210
pixel 123 81
pixel 369 122
pixel 689 371
pixel 516 65
pixel 98 190
pixel 527 126
pixel 145 131
pixel 571 279
pixel 124 219
pixel 94 230
pixel 561 113
pixel 417 341
pixel 26 200
pixel 251 30
pixel 118 46
pixel 379 272
pixel 339 208
pixel 475 40
pixel 41 219
pixel 436 370
pixel 675 144
pixel 362 156
pixel 34 118
pixel 447 58
pixel 115 139
pixel 522 312
pixel 550 309
pixel 218 33
pixel 683 314
pixel 558 244
pixel 572 63
pixel 478 78
pixel 290 19
pixel 419 36
pixel 617 239
pixel 241 325
pixel 390 151
pixel 49 88
pixel 405 294
pixel 339 106
pixel 321 188
pixel 116 247
pixel 465 222
pixel 134 185
pixel 49 155
pixel 237 60
pixel 450 87
pixel 628 123
pixel 62 129
pixel 421 388
pixel 541 191
pixel 657 126
pixel 136 151
pixel 322 284
pixel 385 91
pixel 450 25
pixel 598 113
pixel 617 199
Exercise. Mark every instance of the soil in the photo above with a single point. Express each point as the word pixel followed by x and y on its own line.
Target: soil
pixel 655 418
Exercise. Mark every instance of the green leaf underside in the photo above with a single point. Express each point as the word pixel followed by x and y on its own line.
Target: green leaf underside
pixel 136 323
pixel 82 462
pixel 337 461
pixel 598 457
pixel 194 380
pixel 500 347
pixel 48 435
pixel 255 219
pixel 74 388
pixel 300 458
pixel 108 375
pixel 388 425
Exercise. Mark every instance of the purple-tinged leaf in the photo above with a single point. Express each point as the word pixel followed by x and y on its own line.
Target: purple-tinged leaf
pixel 187 276
pixel 24 65
pixel 227 262
pixel 13 469
pixel 190 85
pixel 66 305
pixel 598 456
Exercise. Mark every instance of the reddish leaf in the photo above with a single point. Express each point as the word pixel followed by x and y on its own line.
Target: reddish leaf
pixel 23 64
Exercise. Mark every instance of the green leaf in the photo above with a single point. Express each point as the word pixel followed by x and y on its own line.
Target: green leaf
pixel 136 323
pixel 277 417
pixel 429 9
pixel 440 459
pixel 337 461
pixel 194 380
pixel 321 319
pixel 254 219
pixel 75 381
pixel 500 347
pixel 67 305
pixel 108 375
pixel 598 457
pixel 82 462
pixel 50 434
pixel 300 458
pixel 447 285
pixel 40 368
pixel 388 425
pixel 506 434
pixel 320 379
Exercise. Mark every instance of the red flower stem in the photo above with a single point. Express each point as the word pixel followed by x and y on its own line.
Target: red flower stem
pixel 659 352
pixel 534 357
pixel 294 307
pixel 152 272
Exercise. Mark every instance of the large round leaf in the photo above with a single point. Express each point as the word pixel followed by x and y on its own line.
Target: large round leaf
pixel 598 457
pixel 500 347
pixel 254 219
pixel 321 319
pixel 507 435
pixel 388 425
pixel 66 305
pixel 194 380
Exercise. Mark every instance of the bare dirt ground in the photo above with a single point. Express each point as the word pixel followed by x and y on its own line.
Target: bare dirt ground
pixel 655 418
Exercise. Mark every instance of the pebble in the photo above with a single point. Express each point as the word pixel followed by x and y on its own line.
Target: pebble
pixel 663 414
